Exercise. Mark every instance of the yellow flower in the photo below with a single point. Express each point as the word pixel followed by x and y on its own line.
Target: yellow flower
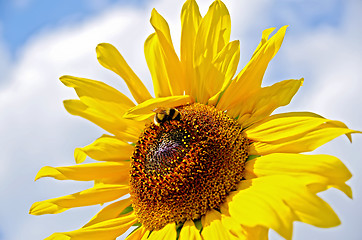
pixel 215 164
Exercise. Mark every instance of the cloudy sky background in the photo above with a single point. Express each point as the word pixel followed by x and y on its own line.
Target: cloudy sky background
pixel 41 40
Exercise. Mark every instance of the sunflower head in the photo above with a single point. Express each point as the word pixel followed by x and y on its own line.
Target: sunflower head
pixel 204 158
pixel 183 168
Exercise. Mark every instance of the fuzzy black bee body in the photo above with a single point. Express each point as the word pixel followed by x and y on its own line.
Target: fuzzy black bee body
pixel 166 114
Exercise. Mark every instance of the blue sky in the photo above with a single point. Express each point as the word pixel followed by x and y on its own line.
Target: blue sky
pixel 23 18
pixel 42 40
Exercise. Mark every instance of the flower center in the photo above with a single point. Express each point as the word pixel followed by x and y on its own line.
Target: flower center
pixel 183 168
pixel 166 151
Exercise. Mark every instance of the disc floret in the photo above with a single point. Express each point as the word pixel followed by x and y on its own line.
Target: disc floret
pixel 183 168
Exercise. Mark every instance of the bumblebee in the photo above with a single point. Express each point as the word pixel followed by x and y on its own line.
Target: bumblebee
pixel 166 114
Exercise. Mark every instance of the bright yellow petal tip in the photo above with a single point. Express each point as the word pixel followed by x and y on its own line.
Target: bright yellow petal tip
pixel 109 57
pixel 145 110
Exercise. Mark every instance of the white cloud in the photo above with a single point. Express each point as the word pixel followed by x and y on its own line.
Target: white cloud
pixel 36 130
pixel 330 58
pixel 5 60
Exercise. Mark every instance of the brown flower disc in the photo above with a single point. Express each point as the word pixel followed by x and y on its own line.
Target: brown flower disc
pixel 183 168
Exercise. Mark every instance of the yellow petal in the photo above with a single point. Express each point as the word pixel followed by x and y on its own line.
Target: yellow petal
pixel 293 133
pixel 58 236
pixel 306 143
pixel 161 27
pixel 240 232
pixel 236 230
pixel 263 102
pixel 98 91
pixel 213 228
pixel 97 195
pixel 189 231
pixel 213 33
pixel 105 148
pixel 113 210
pixel 139 233
pixel 105 115
pixel 212 36
pixel 264 38
pixel 344 188
pixel 173 66
pixel 157 66
pixel 190 21
pixel 167 232
pixel 144 110
pixel 249 79
pixel 221 71
pixel 284 125
pixel 124 129
pixel 146 235
pixel 275 202
pixel 106 230
pixel 109 57
pixel 85 172
pixel 318 171
pixel 256 233
pixel 227 60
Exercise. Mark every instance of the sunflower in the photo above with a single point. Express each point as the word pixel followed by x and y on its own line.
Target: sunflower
pixel 204 158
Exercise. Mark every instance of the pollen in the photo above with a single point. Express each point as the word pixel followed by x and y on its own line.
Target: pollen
pixel 182 168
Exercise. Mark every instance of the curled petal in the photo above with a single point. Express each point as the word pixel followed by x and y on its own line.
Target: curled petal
pixel 293 133
pixel 221 71
pixel 167 232
pixel 190 21
pixel 277 202
pixel 156 64
pixel 249 79
pixel 213 33
pixel 109 57
pixel 317 171
pixel 144 110
pixel 124 129
pixel 264 38
pixel 263 102
pixel 106 230
pixel 213 228
pixel 85 172
pixel 189 231
pixel 113 210
pixel 97 195
pixel 96 90
pixel 140 233
pixel 172 64
pixel 212 36
pixel 105 148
